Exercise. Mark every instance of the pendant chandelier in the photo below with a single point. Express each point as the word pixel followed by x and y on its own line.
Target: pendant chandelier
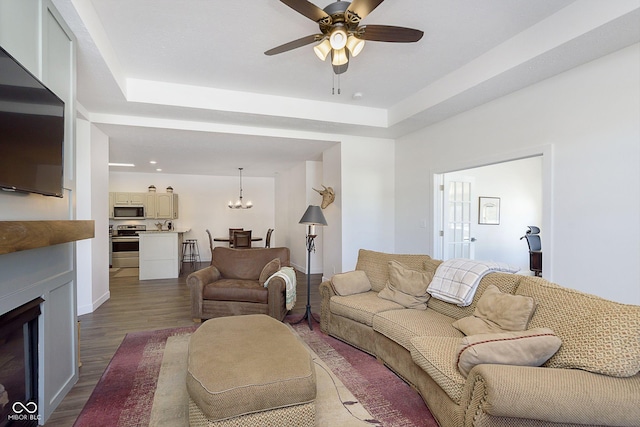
pixel 239 204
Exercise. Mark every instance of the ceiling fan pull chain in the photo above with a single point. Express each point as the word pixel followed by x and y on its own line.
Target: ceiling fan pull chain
pixel 333 89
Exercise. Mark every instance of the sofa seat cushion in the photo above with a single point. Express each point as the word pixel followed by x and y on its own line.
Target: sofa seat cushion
pixel 437 357
pixel 598 335
pixel 361 307
pixel 403 325
pixel 236 290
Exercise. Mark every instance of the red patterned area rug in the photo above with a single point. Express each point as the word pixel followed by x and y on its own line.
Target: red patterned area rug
pixel 390 400
pixel 124 395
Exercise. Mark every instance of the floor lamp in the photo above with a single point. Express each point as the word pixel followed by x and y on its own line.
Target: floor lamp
pixel 312 217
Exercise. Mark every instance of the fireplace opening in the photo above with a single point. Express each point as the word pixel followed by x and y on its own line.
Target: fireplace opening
pixel 19 366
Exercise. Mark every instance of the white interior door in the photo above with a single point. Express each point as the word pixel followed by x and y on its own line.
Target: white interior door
pixel 459 212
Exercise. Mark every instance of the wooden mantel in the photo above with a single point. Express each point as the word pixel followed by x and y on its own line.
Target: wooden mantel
pixel 22 235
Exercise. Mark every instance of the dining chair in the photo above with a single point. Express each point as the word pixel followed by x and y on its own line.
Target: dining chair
pixel 231 231
pixel 242 239
pixel 267 239
pixel 210 240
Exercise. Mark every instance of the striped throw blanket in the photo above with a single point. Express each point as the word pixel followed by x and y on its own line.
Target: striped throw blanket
pixel 456 280
pixel 289 276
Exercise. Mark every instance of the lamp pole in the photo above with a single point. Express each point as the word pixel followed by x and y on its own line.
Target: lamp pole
pixel 310 248
pixel 312 217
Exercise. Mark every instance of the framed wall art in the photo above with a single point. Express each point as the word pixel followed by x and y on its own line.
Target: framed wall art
pixel 489 210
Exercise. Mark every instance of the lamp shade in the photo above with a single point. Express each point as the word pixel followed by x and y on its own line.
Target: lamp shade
pixel 339 57
pixel 322 49
pixel 313 216
pixel 355 45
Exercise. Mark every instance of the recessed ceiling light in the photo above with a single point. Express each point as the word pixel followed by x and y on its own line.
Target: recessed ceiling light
pixel 158 170
pixel 127 165
pixel 153 162
pixel 357 96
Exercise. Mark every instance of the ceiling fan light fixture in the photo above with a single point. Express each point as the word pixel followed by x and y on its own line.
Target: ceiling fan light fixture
pixel 339 57
pixel 338 38
pixel 355 45
pixel 322 49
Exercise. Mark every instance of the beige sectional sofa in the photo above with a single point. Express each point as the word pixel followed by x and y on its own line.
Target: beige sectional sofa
pixel 593 379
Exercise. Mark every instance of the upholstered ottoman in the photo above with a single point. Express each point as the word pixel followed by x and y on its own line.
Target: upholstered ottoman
pixel 249 370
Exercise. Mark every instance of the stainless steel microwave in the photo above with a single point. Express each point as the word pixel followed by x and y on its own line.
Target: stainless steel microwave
pixel 128 212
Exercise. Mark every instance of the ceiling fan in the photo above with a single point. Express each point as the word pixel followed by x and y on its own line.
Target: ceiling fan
pixel 341 34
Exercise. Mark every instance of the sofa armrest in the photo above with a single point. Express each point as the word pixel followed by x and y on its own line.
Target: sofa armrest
pixel 196 282
pixel 326 292
pixel 277 298
pixel 550 395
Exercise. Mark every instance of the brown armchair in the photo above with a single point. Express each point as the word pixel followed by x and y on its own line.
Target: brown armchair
pixel 234 284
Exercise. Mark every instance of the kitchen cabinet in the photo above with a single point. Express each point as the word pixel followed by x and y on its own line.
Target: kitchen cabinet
pixel 157 205
pixel 166 206
pixel 129 198
pixel 111 201
pixel 160 254
pixel 150 205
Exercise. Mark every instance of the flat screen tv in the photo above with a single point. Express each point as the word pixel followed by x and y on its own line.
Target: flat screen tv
pixel 31 132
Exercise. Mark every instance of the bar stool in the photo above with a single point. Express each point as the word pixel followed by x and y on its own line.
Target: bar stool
pixel 190 253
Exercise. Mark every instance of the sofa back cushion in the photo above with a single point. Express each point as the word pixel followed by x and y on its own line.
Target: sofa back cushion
pixel 597 335
pixel 376 265
pixel 246 264
pixel 505 282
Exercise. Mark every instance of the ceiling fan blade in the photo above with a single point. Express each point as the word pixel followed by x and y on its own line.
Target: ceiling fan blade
pixel 294 44
pixel 363 7
pixel 307 9
pixel 388 33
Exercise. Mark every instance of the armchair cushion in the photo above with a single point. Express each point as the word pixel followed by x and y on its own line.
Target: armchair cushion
pixel 245 264
pixel 236 290
pixel 268 270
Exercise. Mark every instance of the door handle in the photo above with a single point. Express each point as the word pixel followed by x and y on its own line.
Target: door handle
pixel 473 239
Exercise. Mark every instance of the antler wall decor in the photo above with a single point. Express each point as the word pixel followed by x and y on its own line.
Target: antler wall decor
pixel 328 196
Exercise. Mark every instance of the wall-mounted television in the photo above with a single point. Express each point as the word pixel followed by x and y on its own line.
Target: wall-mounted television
pixel 31 132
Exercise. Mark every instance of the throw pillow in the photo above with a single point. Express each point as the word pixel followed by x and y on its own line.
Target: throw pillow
pixel 352 282
pixel 268 270
pixel 497 311
pixel 525 348
pixel 406 286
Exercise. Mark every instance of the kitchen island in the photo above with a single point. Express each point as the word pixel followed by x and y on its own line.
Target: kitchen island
pixel 160 254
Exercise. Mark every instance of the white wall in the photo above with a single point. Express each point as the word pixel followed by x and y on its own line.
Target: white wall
pixel 93 255
pixel 203 203
pixel 589 116
pixel 368 199
pixel 332 234
pixel 297 184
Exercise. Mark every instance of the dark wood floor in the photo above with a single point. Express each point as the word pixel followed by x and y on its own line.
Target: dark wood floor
pixel 138 306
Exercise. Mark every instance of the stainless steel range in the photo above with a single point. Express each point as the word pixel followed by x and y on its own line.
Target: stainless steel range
pixel 125 245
